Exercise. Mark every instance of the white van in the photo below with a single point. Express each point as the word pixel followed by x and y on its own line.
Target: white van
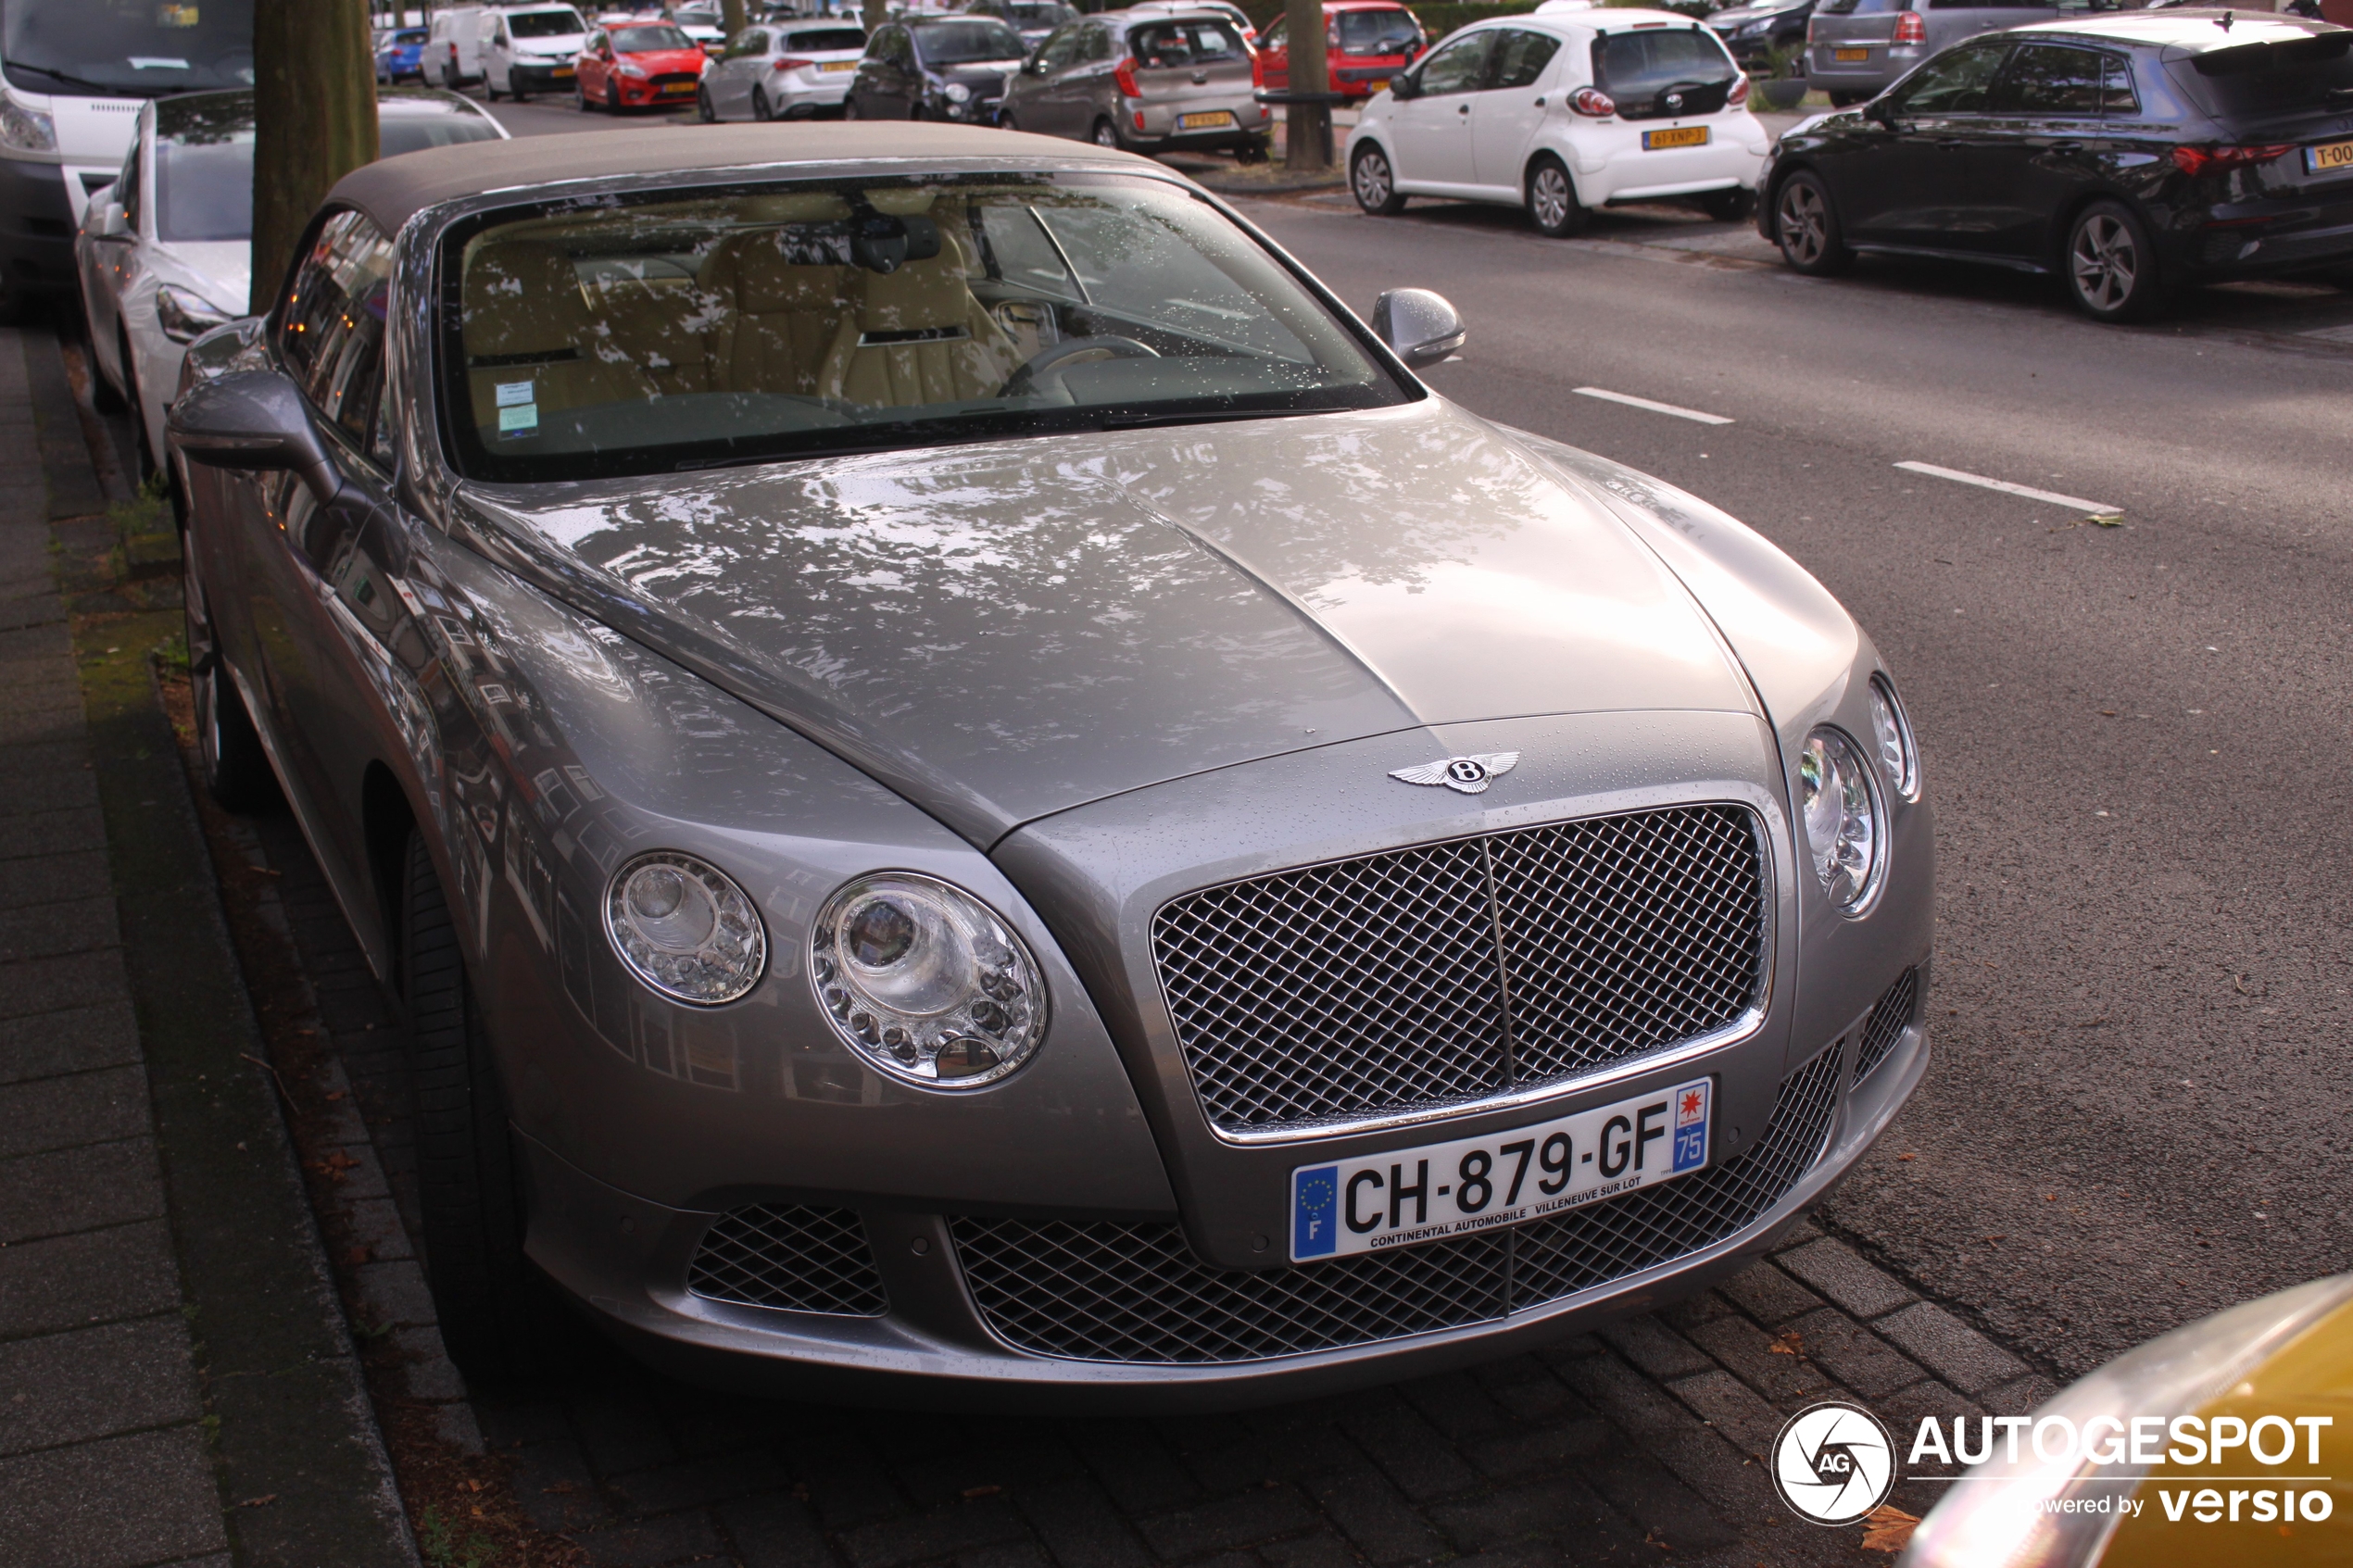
pixel 530 49
pixel 453 50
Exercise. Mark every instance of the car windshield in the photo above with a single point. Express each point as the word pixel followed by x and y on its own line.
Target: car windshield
pixel 784 322
pixel 545 24
pixel 2265 80
pixel 407 35
pixel 648 40
pixel 1377 32
pixel 1858 7
pixel 962 42
pixel 828 38
pixel 204 170
pixel 127 45
pixel 1637 65
pixel 1177 44
pixel 1040 13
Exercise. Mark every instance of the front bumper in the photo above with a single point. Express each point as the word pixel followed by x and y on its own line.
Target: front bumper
pixel 952 1334
pixel 36 226
pixel 540 78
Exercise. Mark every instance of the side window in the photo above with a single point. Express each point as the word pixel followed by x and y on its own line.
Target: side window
pixel 2117 97
pixel 1522 57
pixel 1101 46
pixel 2050 79
pixel 1277 36
pixel 1058 52
pixel 1459 66
pixel 1958 83
pixel 331 331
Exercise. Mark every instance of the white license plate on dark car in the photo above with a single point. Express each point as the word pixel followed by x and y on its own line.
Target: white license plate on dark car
pixel 1407 1196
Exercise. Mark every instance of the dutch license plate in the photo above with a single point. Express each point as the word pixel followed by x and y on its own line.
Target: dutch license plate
pixel 1411 1195
pixel 839 65
pixel 1682 136
pixel 560 72
pixel 677 86
pixel 1853 57
pixel 2328 156
pixel 1207 120
pixel 1379 84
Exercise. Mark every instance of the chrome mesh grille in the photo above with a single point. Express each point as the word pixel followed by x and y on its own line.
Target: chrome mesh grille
pixel 1457 970
pixel 1890 1016
pixel 799 1258
pixel 1108 1292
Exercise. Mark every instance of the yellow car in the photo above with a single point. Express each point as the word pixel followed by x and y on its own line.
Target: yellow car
pixel 2225 1442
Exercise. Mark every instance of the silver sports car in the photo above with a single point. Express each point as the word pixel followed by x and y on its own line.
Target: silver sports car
pixel 973 794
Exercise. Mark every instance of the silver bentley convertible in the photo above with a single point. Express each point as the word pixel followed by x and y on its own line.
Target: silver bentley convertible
pixel 973 794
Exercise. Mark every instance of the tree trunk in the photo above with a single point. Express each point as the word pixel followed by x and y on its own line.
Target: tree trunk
pixel 732 19
pixel 877 13
pixel 314 121
pixel 1307 128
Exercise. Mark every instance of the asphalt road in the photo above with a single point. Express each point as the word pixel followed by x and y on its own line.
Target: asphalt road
pixel 2135 737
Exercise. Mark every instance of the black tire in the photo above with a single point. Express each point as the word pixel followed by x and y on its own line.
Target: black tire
pixel 229 756
pixel 1729 206
pixel 1374 182
pixel 1106 134
pixel 132 399
pixel 613 97
pixel 500 1319
pixel 1253 150
pixel 581 95
pixel 2111 266
pixel 106 395
pixel 759 109
pixel 1805 226
pixel 703 111
pixel 1551 198
pixel 518 94
pixel 1848 100
pixel 848 108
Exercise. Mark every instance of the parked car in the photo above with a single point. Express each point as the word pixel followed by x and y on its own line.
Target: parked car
pixel 782 70
pixel 1232 13
pixel 1366 44
pixel 1856 49
pixel 1163 81
pixel 164 254
pixel 635 64
pixel 399 55
pixel 704 25
pixel 2282 1361
pixel 452 53
pixel 532 49
pixel 1753 34
pixel 1032 19
pixel 2131 155
pixel 828 776
pixel 1563 112
pixel 935 67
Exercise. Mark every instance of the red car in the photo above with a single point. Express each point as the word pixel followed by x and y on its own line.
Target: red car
pixel 1366 42
pixel 629 65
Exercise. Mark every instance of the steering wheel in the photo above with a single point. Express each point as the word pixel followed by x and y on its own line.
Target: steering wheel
pixel 1045 368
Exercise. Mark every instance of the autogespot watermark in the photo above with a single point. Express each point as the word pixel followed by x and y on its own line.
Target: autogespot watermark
pixel 1834 1462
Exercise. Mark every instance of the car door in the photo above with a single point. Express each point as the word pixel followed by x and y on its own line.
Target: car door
pixel 734 75
pixel 2043 147
pixel 588 69
pixel 1905 180
pixel 1433 127
pixel 1038 98
pixel 1506 117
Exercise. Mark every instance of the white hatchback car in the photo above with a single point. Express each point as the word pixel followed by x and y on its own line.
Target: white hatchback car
pixel 783 71
pixel 1561 112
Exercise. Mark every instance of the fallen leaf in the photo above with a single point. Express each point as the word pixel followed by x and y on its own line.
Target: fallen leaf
pixel 2050 1198
pixel 262 1502
pixel 1887 1528
pixel 471 1485
pixel 1789 1342
pixel 334 1093
pixel 1998 1235
pixel 1907 1156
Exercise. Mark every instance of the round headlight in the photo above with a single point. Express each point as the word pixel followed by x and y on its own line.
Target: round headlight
pixel 683 929
pixel 922 980
pixel 1891 740
pixel 1841 819
pixel 957 92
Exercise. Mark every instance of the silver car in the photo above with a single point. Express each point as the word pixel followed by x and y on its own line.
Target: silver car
pixel 1154 81
pixel 972 793
pixel 782 70
pixel 1856 49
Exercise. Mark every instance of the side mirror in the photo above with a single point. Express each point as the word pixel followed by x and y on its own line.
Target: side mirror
pixel 1880 111
pixel 253 420
pixel 1420 327
pixel 111 222
pixel 1405 84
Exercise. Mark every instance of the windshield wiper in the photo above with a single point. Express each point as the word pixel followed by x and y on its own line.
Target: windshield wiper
pixel 1211 416
pixel 73 81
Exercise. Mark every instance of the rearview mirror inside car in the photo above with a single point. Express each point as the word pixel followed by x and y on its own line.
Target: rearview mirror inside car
pixel 254 420
pixel 1420 327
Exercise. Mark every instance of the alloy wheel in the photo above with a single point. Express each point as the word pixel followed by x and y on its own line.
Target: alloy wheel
pixel 1803 224
pixel 1548 197
pixel 1106 134
pixel 2104 262
pixel 1372 184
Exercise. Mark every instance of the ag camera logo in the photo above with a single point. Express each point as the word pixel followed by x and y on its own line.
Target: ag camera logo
pixel 1834 1462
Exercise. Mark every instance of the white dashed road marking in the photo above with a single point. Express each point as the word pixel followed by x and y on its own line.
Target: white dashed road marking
pixel 2097 509
pixel 1634 402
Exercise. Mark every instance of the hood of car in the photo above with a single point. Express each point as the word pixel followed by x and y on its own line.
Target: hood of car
pixel 1006 630
pixel 220 269
pixel 663 60
pixel 977 71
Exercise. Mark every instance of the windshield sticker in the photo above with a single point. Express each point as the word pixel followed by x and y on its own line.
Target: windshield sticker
pixel 510 392
pixel 518 419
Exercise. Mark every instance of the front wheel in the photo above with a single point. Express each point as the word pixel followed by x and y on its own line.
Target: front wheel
pixel 1553 206
pixel 230 760
pixel 2112 272
pixel 1806 224
pixel 1373 183
pixel 612 98
pixel 703 111
pixel 759 109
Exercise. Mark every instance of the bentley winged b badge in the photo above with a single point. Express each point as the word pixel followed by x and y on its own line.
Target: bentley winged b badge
pixel 1469 774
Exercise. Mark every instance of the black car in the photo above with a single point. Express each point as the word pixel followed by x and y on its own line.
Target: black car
pixel 1755 31
pixel 2132 154
pixel 950 68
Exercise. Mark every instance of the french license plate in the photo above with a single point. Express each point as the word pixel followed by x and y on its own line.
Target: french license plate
pixel 1412 1196
pixel 1205 122
pixel 2328 156
pixel 1682 136
pixel 1853 56
pixel 839 65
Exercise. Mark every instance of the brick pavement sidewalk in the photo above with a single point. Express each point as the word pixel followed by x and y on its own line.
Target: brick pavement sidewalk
pixel 175 1386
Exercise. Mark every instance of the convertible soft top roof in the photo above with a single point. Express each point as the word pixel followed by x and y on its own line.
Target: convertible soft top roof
pixel 393 191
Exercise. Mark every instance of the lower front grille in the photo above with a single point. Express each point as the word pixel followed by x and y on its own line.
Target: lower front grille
pixel 1890 1015
pixel 798 1259
pixel 1108 1292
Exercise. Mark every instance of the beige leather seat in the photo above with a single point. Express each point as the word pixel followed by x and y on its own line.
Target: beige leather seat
pixel 661 327
pixel 781 316
pixel 918 335
pixel 527 322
